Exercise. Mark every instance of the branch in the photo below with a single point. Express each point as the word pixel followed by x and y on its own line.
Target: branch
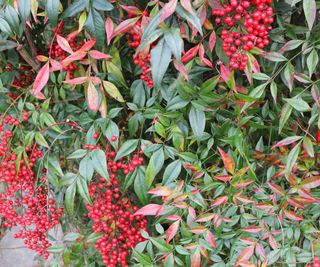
pixel 25 55
pixel 30 42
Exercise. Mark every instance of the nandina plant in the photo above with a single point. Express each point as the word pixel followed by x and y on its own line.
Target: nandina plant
pixel 161 133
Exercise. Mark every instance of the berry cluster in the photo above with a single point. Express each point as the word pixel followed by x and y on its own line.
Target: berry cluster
pixel 56 52
pixel 246 25
pixel 24 201
pixel 316 263
pixel 112 214
pixel 141 59
pixel 24 76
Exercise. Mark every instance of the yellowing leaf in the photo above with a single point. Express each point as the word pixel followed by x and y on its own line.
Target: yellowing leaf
pixel 227 161
pixel 113 91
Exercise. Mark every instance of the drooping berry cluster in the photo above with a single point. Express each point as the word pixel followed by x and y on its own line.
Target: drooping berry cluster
pixel 24 200
pixel 246 25
pixel 141 59
pixel 23 75
pixel 112 214
pixel 316 263
pixel 58 53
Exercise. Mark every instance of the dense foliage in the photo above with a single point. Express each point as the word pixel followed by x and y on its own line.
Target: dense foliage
pixel 161 133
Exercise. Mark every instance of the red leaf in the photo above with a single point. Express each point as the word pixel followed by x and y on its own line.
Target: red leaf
pixel 192 213
pixel 287 141
pixel 219 201
pixel 244 199
pixel 41 81
pixel 205 217
pixel 55 65
pixel 245 254
pixel 277 189
pixel 224 178
pixel 292 215
pixel 295 203
pixel 198 230
pixel 150 209
pixel 88 45
pixel 168 9
pixel 246 264
pixel 210 239
pixel 172 231
pixel 272 242
pixel 173 217
pixel 248 241
pixel 124 26
pixel 190 54
pixel 93 97
pixel 225 73
pixel 253 229
pixel 212 40
pixel 244 184
pixel 227 161
pixel 76 81
pixel 98 55
pixel 74 57
pixel 186 4
pixel 260 251
pixel 181 68
pixel 109 29
pixel 196 259
pixel 63 43
pixel 311 182
pixel 161 191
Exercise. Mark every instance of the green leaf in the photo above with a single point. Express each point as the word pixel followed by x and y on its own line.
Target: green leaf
pixel 5 27
pixel 82 188
pixel 310 12
pixel 308 146
pixel 288 76
pixel 274 91
pixel 171 172
pixel 40 140
pixel 152 26
pixel 192 18
pixel 12 18
pixel 275 57
pixel 160 60
pixel 113 91
pixel 95 26
pixel 99 161
pixel 292 158
pixel 161 245
pixel 74 8
pixel 285 115
pixel 298 104
pixel 7 44
pixel 69 198
pixel 174 41
pixel 312 61
pixel 140 187
pixel 52 11
pixel 112 130
pixel 86 168
pixel 102 5
pixel 79 153
pixel 24 8
pixel 154 166
pixel 127 147
pixel 197 119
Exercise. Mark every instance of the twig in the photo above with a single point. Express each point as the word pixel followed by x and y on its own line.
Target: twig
pixel 25 55
pixel 30 42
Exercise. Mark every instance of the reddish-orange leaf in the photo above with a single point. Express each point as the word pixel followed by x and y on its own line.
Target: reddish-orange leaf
pixel 265 206
pixel 248 241
pixel 207 62
pixel 55 65
pixel 181 68
pixel 150 209
pixel 186 4
pixel 244 184
pixel 196 259
pixel 219 201
pixel 205 217
pixel 260 250
pixel 161 191
pixel 190 54
pixel 253 229
pixel 292 215
pixel 109 29
pixel 79 80
pixel 277 189
pixel 88 45
pixel 225 73
pixel 74 57
pixel 311 182
pixel 210 239
pixel 192 212
pixel 272 242
pixel 227 161
pixel 246 254
pixel 42 58
pixel 172 231
pixel 246 264
pixel 305 194
pixel 244 199
pixel 212 40
pixel 124 26
pixel 98 55
pixel 198 230
pixel 63 43
pixel 173 217
pixel 93 97
pixel 201 52
pixel 41 81
pixel 295 203
pixel 224 178
pixel 168 9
